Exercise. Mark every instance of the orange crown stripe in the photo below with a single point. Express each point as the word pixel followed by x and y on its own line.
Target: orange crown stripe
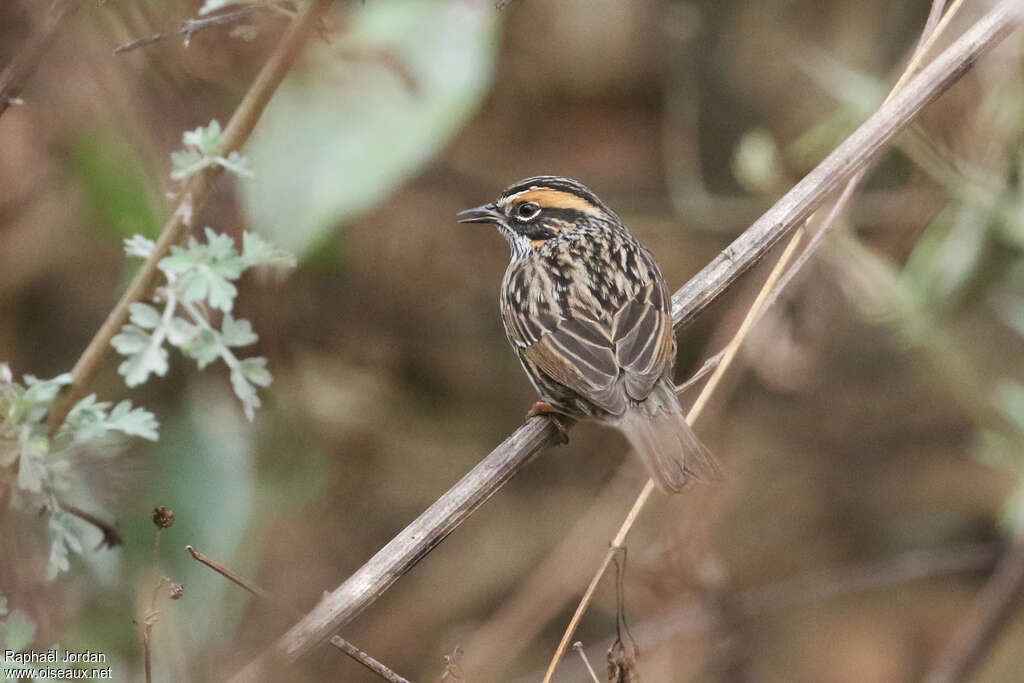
pixel 557 199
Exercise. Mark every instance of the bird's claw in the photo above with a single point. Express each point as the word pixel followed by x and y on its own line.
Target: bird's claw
pixel 545 409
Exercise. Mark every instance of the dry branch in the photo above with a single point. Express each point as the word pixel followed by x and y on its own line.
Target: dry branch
pixel 441 518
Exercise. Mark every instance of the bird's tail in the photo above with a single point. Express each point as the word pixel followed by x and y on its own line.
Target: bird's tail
pixel 658 431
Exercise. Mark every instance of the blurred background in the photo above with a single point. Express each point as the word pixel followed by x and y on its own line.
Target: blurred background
pixel 871 429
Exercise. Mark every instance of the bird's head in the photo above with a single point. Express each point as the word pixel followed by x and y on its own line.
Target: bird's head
pixel 532 211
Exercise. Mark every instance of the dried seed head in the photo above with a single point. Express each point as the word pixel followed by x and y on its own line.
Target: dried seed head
pixel 163 517
pixel 176 591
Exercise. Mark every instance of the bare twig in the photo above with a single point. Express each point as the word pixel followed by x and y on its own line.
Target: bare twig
pixel 709 365
pixel 441 518
pixel 980 630
pixel 578 646
pixel 111 533
pixel 337 641
pixel 193 198
pixel 14 77
pixel 191 27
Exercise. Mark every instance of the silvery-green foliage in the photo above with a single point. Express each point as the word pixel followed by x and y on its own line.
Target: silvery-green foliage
pixel 33 465
pixel 17 630
pixel 214 5
pixel 204 147
pixel 199 277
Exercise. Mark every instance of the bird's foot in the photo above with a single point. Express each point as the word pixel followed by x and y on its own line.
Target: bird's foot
pixel 545 409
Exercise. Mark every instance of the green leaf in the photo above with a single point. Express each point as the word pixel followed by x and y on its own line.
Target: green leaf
pixel 326 154
pixel 39 394
pixel 246 393
pixel 133 421
pixel 137 368
pixel 19 631
pixel 63 542
pixel 204 348
pixel 87 419
pixel 257 251
pixel 144 315
pixel 137 245
pixel 237 332
pixel 203 148
pixel 255 370
pixel 130 340
pixel 181 332
pixel 214 5
pixel 32 450
pixel 188 162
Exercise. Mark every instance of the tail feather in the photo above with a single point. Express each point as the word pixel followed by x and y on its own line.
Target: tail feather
pixel 673 454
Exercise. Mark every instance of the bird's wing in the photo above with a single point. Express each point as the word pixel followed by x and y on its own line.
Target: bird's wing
pixel 579 353
pixel 645 343
pixel 590 356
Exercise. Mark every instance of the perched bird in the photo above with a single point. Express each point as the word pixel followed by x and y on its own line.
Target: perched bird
pixel 587 310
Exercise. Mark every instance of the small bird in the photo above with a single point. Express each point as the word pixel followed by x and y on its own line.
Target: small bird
pixel 587 311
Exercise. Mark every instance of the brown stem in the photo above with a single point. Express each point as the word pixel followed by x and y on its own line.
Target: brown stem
pixel 337 641
pixel 453 507
pixel 190 27
pixel 193 198
pixel 980 630
pixel 111 533
pixel 17 73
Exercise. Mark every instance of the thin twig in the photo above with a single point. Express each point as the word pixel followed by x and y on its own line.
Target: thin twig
pixel 191 27
pixel 111 533
pixel 980 630
pixel 453 507
pixel 340 643
pixel 17 73
pixel 709 365
pixel 578 646
pixel 193 198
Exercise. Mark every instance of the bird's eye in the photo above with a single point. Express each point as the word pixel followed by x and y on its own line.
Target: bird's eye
pixel 527 211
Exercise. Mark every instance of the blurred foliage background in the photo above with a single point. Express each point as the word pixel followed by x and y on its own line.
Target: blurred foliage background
pixel 878 409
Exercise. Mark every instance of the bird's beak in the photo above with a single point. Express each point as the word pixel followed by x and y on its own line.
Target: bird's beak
pixel 488 213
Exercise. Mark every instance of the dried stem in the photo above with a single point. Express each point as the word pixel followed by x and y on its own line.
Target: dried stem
pixel 578 646
pixel 980 630
pixel 337 641
pixel 193 198
pixel 17 73
pixel 444 515
pixel 190 27
pixel 111 533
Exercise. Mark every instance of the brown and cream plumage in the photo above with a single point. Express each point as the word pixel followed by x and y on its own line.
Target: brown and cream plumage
pixel 588 312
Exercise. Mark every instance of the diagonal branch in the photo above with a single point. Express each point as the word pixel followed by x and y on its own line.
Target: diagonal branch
pixel 193 198
pixel 414 542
